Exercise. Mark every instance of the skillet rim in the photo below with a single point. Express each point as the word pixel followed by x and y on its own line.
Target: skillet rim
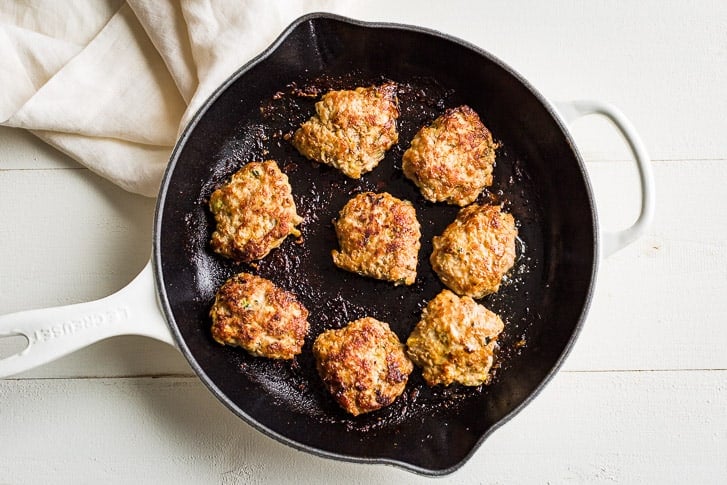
pixel 166 309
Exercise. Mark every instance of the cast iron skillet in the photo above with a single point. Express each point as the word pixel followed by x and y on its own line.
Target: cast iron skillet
pixel 539 178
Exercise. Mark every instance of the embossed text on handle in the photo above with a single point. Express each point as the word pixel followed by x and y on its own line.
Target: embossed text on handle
pixel 75 325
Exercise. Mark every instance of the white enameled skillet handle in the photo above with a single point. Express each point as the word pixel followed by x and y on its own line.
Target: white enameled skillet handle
pixel 614 241
pixel 54 332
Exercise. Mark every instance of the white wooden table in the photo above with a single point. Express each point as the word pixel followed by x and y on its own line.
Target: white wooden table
pixel 642 397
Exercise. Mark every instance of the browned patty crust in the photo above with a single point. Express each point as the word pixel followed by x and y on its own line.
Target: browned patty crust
pixel 379 237
pixel 475 251
pixel 254 212
pixel 253 313
pixel 454 341
pixel 363 365
pixel 352 129
pixel 452 159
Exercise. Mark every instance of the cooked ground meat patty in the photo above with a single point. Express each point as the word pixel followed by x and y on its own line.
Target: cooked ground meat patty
pixel 379 237
pixel 252 313
pixel 254 212
pixel 363 365
pixel 454 341
pixel 475 251
pixel 351 130
pixel 451 160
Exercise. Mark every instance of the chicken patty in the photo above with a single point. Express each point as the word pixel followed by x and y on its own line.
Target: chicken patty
pixel 454 341
pixel 254 212
pixel 352 129
pixel 452 159
pixel 252 313
pixel 363 365
pixel 475 251
pixel 379 237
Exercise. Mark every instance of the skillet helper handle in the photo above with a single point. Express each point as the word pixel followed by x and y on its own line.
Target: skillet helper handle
pixel 614 241
pixel 55 332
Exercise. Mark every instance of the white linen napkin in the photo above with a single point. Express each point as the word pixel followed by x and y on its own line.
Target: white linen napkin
pixel 112 83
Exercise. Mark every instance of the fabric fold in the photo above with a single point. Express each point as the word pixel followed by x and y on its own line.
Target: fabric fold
pixel 117 87
pixel 165 25
pixel 113 83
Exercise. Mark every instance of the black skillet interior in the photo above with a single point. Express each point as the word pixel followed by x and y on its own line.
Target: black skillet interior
pixel 538 178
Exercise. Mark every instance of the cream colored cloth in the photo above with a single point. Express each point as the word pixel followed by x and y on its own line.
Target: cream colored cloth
pixel 112 83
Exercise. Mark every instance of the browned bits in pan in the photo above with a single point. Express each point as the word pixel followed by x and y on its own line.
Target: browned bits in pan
pixel 363 365
pixel 352 129
pixel 379 237
pixel 452 159
pixel 252 313
pixel 454 341
pixel 254 212
pixel 475 251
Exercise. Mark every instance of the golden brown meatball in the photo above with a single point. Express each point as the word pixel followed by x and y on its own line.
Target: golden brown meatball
pixel 351 130
pixel 475 251
pixel 254 212
pixel 363 365
pixel 451 160
pixel 454 341
pixel 379 237
pixel 252 313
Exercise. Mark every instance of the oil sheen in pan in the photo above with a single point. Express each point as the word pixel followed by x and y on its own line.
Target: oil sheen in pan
pixel 333 296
